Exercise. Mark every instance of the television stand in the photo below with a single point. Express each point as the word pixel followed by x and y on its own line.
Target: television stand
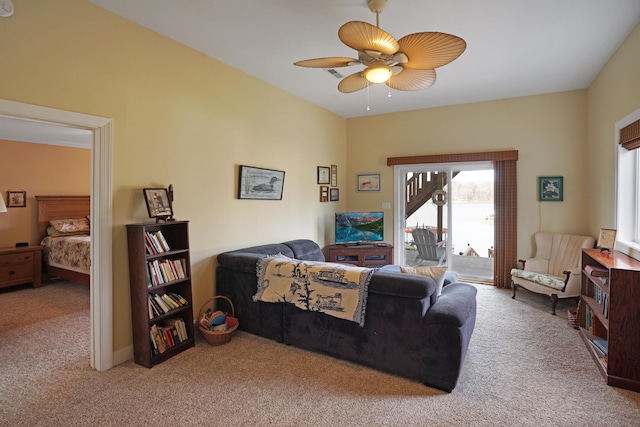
pixel 362 255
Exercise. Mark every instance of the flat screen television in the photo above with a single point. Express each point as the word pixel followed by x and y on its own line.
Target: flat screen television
pixel 359 227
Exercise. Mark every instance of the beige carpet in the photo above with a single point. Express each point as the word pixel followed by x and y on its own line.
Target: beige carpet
pixel 524 367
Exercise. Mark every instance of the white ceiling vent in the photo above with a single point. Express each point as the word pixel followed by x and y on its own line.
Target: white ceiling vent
pixel 334 73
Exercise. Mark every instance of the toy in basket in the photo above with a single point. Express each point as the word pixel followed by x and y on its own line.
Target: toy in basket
pixel 217 327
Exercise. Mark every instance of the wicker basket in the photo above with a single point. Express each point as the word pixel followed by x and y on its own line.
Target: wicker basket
pixel 217 337
pixel 572 315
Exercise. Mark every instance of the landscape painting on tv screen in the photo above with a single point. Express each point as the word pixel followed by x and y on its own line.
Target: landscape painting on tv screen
pixel 354 227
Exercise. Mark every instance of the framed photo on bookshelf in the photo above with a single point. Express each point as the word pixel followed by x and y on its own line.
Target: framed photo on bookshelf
pixel 551 188
pixel 158 203
pixel 606 239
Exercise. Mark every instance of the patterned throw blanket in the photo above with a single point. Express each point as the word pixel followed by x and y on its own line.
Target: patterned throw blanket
pixel 335 289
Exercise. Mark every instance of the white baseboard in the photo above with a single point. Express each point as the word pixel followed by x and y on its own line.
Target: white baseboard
pixel 123 355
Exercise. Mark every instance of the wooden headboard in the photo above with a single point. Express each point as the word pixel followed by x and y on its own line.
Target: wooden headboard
pixel 60 207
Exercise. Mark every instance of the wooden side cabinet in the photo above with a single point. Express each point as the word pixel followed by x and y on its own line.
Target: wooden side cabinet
pixel 361 255
pixel 21 265
pixel 608 316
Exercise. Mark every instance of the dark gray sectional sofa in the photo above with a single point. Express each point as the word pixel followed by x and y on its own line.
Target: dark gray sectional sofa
pixel 407 331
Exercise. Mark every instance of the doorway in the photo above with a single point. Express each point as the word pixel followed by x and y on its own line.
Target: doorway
pixel 101 305
pixel 454 202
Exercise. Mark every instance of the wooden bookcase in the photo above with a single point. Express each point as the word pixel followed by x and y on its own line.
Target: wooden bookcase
pixel 361 255
pixel 609 308
pixel 144 263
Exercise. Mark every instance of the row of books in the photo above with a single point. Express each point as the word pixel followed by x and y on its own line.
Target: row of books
pixel 155 243
pixel 169 335
pixel 602 298
pixel 165 270
pixel 160 304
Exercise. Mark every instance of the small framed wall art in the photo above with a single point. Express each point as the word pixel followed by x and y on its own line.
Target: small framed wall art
pixel 324 193
pixel 324 174
pixel 368 182
pixel 551 189
pixel 16 199
pixel 334 194
pixel 334 175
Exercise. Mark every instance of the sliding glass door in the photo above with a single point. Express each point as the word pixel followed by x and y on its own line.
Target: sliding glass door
pixel 444 216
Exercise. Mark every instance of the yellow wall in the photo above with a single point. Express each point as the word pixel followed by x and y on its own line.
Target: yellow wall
pixel 613 94
pixel 39 170
pixel 548 131
pixel 185 119
pixel 179 118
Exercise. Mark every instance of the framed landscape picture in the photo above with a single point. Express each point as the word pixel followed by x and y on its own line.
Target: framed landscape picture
pixel 551 189
pixel 368 182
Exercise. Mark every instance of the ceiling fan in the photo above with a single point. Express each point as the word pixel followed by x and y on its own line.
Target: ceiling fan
pixel 406 64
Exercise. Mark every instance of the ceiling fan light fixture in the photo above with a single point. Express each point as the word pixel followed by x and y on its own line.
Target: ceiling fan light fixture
pixel 378 73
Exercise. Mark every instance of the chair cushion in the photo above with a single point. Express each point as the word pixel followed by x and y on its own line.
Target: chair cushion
pixel 548 280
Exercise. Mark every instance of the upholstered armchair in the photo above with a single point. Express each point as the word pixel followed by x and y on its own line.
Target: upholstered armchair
pixel 556 268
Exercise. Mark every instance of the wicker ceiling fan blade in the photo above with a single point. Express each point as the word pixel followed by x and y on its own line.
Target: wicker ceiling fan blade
pixel 409 79
pixel 430 50
pixel 327 62
pixel 362 37
pixel 352 83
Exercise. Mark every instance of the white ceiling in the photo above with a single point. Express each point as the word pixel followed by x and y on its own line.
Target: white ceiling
pixel 514 47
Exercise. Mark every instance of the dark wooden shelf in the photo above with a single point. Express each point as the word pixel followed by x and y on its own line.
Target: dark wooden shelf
pixel 609 311
pixel 361 255
pixel 176 234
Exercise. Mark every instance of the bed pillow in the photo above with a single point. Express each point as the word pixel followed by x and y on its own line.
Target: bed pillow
pixel 70 225
pixel 52 232
pixel 436 273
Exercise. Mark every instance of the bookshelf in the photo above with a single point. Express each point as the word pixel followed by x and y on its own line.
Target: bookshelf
pixel 608 316
pixel 160 284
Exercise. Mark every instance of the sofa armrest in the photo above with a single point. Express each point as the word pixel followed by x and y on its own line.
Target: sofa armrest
pixel 454 305
pixel 402 285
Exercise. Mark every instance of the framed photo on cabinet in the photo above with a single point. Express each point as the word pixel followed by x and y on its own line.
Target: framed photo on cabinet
pixel 158 203
pixel 606 239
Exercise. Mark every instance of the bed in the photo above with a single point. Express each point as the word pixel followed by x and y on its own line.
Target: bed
pixel 66 255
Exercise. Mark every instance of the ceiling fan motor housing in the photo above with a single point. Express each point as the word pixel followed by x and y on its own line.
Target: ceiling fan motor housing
pixel 377 6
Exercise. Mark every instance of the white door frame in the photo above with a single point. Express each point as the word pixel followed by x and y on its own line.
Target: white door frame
pixel 101 305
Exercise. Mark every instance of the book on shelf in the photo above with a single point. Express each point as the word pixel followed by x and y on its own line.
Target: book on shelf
pixel 596 271
pixel 602 345
pixel 160 304
pixel 170 334
pixel 155 242
pixel 166 270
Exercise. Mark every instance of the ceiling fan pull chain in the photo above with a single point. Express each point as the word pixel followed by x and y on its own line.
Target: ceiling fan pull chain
pixel 368 84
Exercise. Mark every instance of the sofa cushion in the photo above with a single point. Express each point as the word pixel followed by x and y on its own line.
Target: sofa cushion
pixel 305 250
pixel 547 280
pixel 436 273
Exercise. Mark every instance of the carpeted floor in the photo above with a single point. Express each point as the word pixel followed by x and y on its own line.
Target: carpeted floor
pixel 524 367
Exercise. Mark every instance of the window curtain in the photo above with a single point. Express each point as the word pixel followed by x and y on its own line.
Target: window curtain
pixel 505 203
pixel 506 222
pixel 630 136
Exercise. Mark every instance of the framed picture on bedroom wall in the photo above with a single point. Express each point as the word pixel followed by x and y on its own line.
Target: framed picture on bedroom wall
pixel 16 199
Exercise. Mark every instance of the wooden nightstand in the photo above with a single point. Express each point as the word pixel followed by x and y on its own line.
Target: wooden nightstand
pixel 21 265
